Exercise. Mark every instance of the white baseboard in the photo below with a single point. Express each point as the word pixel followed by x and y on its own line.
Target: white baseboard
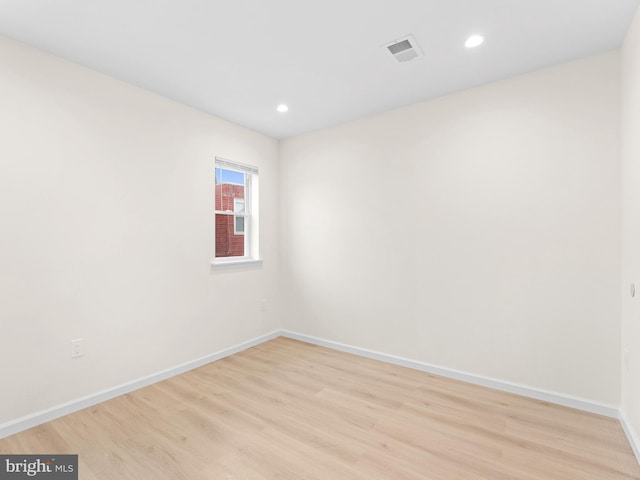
pixel 632 436
pixel 58 411
pixel 538 394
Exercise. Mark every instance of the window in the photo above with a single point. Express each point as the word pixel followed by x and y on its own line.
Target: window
pixel 235 213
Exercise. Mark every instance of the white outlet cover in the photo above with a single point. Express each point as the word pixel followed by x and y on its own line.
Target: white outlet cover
pixel 77 347
pixel 626 359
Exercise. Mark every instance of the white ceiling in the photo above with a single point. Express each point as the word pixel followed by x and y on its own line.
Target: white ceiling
pixel 239 59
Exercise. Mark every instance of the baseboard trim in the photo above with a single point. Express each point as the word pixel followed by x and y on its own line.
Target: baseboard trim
pixel 538 394
pixel 42 416
pixel 631 434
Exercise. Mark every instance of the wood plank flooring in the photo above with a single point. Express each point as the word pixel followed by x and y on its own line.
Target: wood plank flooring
pixel 290 410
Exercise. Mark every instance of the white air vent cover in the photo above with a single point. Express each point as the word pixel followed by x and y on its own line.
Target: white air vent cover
pixel 404 49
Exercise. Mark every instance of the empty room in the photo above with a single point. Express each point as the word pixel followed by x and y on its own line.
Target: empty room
pixel 263 240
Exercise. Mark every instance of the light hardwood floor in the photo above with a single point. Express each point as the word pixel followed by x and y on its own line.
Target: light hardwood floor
pixel 290 410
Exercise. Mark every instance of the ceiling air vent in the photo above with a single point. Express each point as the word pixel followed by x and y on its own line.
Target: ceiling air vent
pixel 404 49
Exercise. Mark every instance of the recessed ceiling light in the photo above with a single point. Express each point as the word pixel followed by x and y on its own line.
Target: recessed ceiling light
pixel 282 108
pixel 474 41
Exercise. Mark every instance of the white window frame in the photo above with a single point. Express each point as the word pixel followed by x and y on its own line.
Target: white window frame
pixel 251 210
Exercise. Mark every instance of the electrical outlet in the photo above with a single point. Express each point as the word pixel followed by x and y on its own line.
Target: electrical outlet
pixel 77 347
pixel 625 359
pixel 263 306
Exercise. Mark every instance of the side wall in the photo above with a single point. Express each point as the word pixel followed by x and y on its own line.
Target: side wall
pixel 107 211
pixel 631 228
pixel 479 231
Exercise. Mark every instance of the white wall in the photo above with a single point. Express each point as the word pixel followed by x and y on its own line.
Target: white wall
pixel 631 222
pixel 479 231
pixel 106 204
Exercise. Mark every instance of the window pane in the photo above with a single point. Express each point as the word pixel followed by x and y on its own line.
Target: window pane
pixel 228 244
pixel 229 186
pixel 230 197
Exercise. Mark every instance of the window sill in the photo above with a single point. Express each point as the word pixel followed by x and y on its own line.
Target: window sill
pixel 240 263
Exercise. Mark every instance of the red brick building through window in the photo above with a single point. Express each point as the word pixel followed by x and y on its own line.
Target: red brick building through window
pixel 230 227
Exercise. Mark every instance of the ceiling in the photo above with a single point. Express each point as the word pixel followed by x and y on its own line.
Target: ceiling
pixel 239 59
